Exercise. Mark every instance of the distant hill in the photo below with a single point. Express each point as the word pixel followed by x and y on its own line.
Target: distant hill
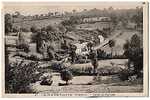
pixel 105 12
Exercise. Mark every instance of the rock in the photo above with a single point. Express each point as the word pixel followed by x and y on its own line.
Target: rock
pixel 46 79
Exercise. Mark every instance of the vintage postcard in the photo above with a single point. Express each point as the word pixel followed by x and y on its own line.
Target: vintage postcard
pixel 75 49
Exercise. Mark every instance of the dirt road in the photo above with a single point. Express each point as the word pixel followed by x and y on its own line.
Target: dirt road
pixel 79 85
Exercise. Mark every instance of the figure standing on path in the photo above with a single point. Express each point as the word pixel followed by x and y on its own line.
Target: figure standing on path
pixel 94 61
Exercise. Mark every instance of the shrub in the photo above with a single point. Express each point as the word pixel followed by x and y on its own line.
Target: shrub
pixel 16 29
pixel 134 52
pixel 24 46
pixel 46 79
pixel 30 56
pixel 25 30
pixel 8 23
pixel 33 29
pixel 124 74
pixel 36 56
pixel 19 75
pixel 22 43
pixel 50 28
pixel 66 75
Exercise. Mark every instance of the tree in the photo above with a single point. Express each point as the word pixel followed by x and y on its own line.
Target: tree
pixel 33 29
pixel 61 28
pixel 37 16
pixel 19 75
pixel 66 75
pixel 110 8
pixel 126 45
pixel 134 52
pixel 135 41
pixel 138 17
pixel 74 11
pixel 16 29
pixel 8 23
pixel 51 28
pixel 111 45
pixel 17 14
pixel 22 43
pixel 114 19
pixel 84 9
pixel 44 35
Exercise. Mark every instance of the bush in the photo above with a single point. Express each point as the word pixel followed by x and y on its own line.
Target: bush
pixel 8 23
pixel 25 30
pixel 124 75
pixel 134 52
pixel 16 29
pixel 50 28
pixel 19 75
pixel 33 29
pixel 24 46
pixel 46 79
pixel 30 56
pixel 22 43
pixel 66 75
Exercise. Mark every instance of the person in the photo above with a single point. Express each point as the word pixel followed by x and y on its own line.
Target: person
pixel 73 53
pixel 94 61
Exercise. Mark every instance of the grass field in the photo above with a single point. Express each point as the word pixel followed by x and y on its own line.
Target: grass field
pixel 39 23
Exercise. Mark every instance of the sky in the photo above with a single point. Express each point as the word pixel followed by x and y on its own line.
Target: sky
pixel 32 8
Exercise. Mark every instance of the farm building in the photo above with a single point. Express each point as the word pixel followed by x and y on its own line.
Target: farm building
pixel 96 19
pixel 131 25
pixel 96 25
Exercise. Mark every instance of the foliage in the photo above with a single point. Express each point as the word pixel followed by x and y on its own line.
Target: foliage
pixel 62 28
pixel 134 52
pixel 30 56
pixel 126 45
pixel 24 46
pixel 8 23
pixel 35 36
pixel 124 74
pixel 114 19
pixel 66 75
pixel 16 29
pixel 33 29
pixel 138 17
pixel 88 70
pixel 16 14
pixel 111 43
pixel 51 28
pixel 46 79
pixel 23 29
pixel 19 75
pixel 22 43
pixel 135 41
pixel 69 24
pixel 46 37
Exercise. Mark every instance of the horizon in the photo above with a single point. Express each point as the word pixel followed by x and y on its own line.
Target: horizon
pixel 33 8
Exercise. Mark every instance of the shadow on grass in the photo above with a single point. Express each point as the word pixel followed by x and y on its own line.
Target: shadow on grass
pixel 64 84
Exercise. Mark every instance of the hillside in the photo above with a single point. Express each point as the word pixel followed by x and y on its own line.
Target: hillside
pixel 38 23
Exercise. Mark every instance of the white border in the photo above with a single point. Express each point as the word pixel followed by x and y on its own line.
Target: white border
pixel 1 52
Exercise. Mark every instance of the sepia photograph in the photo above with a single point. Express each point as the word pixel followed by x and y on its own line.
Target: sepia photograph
pixel 75 49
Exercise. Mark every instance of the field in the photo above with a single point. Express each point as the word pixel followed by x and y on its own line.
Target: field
pixel 39 23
